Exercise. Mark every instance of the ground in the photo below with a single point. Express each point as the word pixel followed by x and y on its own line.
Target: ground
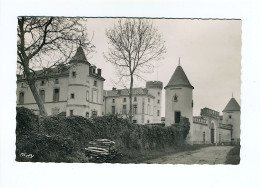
pixel 208 155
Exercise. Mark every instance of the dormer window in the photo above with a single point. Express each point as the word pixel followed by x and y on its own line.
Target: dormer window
pixel 73 74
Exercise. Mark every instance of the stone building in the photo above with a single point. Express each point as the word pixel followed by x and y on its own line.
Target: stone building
pixel 75 89
pixel 146 102
pixel 209 127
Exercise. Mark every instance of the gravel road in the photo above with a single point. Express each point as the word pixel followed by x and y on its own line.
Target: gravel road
pixel 208 155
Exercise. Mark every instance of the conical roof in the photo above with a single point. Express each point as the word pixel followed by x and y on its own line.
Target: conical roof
pixel 79 57
pixel 232 105
pixel 179 79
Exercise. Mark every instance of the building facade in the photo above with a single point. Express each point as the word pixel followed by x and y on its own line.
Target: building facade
pixel 146 103
pixel 209 127
pixel 75 89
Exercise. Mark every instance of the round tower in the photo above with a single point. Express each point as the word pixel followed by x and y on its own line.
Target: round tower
pixel 155 89
pixel 231 115
pixel 77 85
pixel 178 99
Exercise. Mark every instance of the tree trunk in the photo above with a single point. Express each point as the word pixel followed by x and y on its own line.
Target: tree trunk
pixel 130 99
pixel 31 83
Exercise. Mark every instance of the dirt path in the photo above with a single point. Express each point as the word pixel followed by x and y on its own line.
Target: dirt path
pixel 208 155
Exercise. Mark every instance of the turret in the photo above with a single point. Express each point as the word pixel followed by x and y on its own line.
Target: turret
pixel 155 89
pixel 77 86
pixel 231 115
pixel 178 94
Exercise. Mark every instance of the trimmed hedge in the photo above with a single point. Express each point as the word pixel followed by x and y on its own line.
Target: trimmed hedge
pixel 60 139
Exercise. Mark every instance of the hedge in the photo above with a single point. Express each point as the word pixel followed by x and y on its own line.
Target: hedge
pixel 60 139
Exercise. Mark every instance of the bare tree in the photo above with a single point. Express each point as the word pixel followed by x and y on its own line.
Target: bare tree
pixel 135 45
pixel 45 42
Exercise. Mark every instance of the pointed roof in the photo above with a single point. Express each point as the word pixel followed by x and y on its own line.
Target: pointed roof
pixel 179 79
pixel 79 57
pixel 232 105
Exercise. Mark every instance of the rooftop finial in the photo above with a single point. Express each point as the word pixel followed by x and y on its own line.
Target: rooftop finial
pixel 179 61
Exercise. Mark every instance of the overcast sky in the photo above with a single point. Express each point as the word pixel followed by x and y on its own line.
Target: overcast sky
pixel 210 52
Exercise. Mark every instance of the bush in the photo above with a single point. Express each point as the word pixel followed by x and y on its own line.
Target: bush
pixel 60 139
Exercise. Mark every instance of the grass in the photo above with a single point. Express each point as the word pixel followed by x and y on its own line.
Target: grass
pixel 233 156
pixel 136 156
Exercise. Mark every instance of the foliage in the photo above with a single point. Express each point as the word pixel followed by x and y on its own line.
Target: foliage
pixel 233 156
pixel 58 139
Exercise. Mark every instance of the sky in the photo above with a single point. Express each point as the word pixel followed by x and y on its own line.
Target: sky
pixel 209 52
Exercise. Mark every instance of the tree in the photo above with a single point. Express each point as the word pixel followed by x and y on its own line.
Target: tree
pixel 45 42
pixel 135 45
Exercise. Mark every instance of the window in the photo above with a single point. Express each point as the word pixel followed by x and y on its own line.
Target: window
pixel 113 100
pixel 87 114
pixel 158 93
pixel 158 112
pixel 94 114
pixel 87 96
pixel 148 109
pixel 148 99
pixel 22 84
pixel 124 109
pixel 158 101
pixel 124 99
pixel 95 83
pixel 72 95
pixel 56 94
pixel 113 110
pixel 134 109
pixel 135 99
pixel 175 98
pixel 42 83
pixel 73 74
pixel 95 95
pixel 42 95
pixel 204 137
pixel 134 121
pixel 229 116
pixel 177 117
pixel 56 81
pixel 21 98
pixel 71 112
pixel 148 121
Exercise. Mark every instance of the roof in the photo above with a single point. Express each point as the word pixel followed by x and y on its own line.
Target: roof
pixel 79 57
pixel 232 105
pixel 179 78
pixel 125 92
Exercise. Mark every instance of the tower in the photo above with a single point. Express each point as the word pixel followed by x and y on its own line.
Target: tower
pixel 155 89
pixel 231 115
pixel 178 99
pixel 77 84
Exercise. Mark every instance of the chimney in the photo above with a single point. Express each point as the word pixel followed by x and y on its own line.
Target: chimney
pixel 113 88
pixel 99 72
